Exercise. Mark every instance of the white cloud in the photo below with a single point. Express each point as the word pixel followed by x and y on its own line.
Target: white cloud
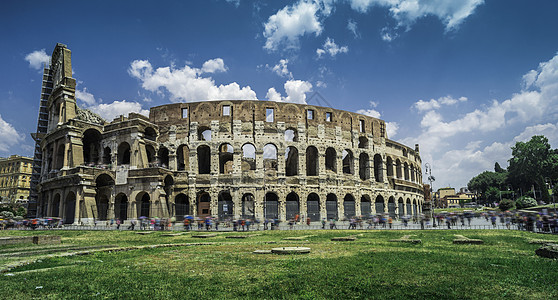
pixel 214 66
pixel 281 69
pixel 352 27
pixel 37 59
pixel 369 112
pixel 85 96
pixel 8 136
pixel 187 84
pixel 422 105
pixel 392 128
pixel 234 2
pixel 295 89
pixel 549 130
pixel 331 48
pixel 291 22
pixel 117 108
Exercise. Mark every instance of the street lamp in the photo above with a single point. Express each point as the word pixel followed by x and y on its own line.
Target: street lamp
pixel 428 171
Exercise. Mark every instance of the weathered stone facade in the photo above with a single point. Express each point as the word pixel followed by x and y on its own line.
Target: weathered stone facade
pixel 231 159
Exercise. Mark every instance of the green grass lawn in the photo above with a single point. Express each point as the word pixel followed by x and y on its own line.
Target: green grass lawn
pixel 505 266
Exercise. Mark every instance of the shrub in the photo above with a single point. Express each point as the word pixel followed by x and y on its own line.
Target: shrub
pixel 524 202
pixel 506 204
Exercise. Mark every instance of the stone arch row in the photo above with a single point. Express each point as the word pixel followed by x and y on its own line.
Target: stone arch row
pixel 401 169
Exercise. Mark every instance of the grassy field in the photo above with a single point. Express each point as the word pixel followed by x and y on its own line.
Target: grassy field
pixel 505 266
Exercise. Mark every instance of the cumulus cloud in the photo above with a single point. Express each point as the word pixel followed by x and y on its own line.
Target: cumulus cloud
pixel 331 48
pixel 85 97
pixel 295 89
pixel 281 69
pixel 189 84
pixel 291 22
pixel 8 136
pixel 392 128
pixel 37 59
pixel 369 112
pixel 117 108
pixel 422 105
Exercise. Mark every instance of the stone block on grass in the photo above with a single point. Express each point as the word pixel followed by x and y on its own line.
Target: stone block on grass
pixel 548 251
pixel 460 239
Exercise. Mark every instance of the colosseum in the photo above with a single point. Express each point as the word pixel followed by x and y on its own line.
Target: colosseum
pixel 228 159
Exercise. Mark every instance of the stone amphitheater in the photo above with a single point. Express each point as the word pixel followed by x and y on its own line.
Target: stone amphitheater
pixel 227 159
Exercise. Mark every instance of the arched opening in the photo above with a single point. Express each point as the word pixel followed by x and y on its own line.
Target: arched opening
pixel 291 161
pixel 270 159
pixel 248 206
pixel 349 206
pixel 292 205
pixel 331 160
pixel 391 207
pixel 104 184
pixel 70 213
pixel 204 204
pixel 107 156
pixel 168 185
pixel 248 157
pixel 226 153
pixel 409 207
pixel 163 157
pixel 60 157
pixel 331 206
pixel 144 204
pixel 363 142
pixel 91 146
pixel 380 205
pixel 312 159
pixel 204 159
pixel 378 170
pixel 415 208
pixel 151 157
pixel 150 134
pixel 182 206
pixel 225 206
pixel 398 169
pixel 401 207
pixel 412 173
pixel 348 167
pixel 406 171
pixel 121 207
pixel 389 165
pixel 55 212
pixel 364 166
pixel 291 135
pixel 313 207
pixel 271 206
pixel 204 133
pixel 124 154
pixel 365 206
pixel 182 158
pixel 102 202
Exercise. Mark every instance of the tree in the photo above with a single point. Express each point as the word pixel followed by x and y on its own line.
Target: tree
pixel 531 162
pixel 525 202
pixel 498 169
pixel 485 180
pixel 506 204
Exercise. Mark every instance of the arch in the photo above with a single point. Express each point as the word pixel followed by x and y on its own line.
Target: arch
pixel 313 207
pixel 365 206
pixel 104 185
pixel 70 211
pixel 150 133
pixel 398 169
pixel 123 154
pixel 91 146
pixel 291 135
pixel 400 207
pixel 271 206
pixel 102 202
pixel 406 166
pixel 104 180
pixel 331 160
pixel 143 201
pixel 226 154
pixel 150 153
pixel 292 205
pixel 248 206
pixel 363 142
pixel 379 205
pixel 378 170
pixel 413 173
pixel 409 207
pixel 182 158
pixel 364 166
pixel 121 207
pixel 248 157
pixel 391 206
pixel 270 158
pixel 312 161
pixel 415 208
pixel 55 211
pixel 204 133
pixel 389 166
pixel 204 159
pixel 107 156
pixel 348 164
pixel 225 205
pixel 168 184
pixel 331 206
pixel 204 204
pixel 163 157
pixel 349 206
pixel 291 161
pixel 182 206
pixel 60 157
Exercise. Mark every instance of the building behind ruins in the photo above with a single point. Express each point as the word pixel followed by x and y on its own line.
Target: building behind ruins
pixel 15 178
pixel 228 159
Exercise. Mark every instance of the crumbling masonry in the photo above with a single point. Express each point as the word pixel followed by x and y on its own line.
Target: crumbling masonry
pixel 230 159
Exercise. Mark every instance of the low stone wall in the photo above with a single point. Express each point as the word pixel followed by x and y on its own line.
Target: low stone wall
pixel 38 239
pixel 46 239
pixel 10 240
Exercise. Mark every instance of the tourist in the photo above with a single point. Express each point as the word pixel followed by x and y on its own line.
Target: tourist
pixel 118 222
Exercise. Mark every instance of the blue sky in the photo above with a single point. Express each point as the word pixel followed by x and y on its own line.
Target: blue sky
pixel 464 79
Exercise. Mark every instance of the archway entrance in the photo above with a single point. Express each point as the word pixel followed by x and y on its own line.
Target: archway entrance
pixel 271 206
pixel 248 208
pixel 121 207
pixel 331 206
pixel 204 204
pixel 225 205
pixel 313 207
pixel 182 206
pixel 70 208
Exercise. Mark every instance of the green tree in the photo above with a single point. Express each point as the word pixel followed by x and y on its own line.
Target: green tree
pixel 485 180
pixel 525 202
pixel 506 204
pixel 531 162
pixel 498 169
